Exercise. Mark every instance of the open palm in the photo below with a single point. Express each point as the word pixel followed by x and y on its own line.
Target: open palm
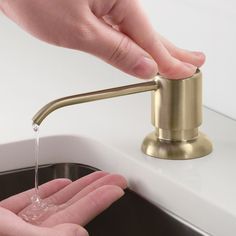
pixel 78 203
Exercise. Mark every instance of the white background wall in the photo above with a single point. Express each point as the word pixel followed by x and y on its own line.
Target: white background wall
pixel 31 69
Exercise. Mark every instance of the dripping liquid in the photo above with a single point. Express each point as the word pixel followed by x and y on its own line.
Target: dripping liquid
pixel 39 209
pixel 36 156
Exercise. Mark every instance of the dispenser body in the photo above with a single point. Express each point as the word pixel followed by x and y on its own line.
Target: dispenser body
pixel 176 116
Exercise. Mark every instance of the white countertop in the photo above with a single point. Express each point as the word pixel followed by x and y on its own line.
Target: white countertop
pixel 201 191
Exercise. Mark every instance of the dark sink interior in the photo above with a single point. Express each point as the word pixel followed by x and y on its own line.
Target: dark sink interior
pixel 130 216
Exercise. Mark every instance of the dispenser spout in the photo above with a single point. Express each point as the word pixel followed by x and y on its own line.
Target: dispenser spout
pixel 92 96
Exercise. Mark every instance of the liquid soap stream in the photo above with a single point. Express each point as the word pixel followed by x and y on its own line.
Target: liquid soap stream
pixel 39 209
pixel 36 156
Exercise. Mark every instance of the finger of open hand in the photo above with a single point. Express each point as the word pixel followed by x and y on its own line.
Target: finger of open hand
pixel 72 189
pixel 69 230
pixel 84 210
pixel 112 179
pixel 18 202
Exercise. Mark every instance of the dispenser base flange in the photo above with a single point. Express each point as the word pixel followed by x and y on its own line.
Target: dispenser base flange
pixel 176 150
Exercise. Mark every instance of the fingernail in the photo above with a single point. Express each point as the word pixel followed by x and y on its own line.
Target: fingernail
pixel 145 68
pixel 199 54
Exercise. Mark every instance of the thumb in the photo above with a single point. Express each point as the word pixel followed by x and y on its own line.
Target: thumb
pixel 70 230
pixel 120 51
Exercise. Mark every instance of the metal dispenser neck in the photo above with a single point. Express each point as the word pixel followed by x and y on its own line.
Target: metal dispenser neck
pixel 92 96
pixel 176 115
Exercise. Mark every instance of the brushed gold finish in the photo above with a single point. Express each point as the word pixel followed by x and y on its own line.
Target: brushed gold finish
pixel 176 116
pixel 92 96
pixel 176 150
pixel 177 105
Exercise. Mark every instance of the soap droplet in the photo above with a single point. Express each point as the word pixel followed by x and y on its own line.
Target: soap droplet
pixel 38 211
pixel 35 127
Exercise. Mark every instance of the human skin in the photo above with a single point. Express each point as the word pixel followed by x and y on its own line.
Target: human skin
pixel 82 200
pixel 117 31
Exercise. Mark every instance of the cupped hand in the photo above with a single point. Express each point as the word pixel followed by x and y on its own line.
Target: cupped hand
pixel 117 31
pixel 80 202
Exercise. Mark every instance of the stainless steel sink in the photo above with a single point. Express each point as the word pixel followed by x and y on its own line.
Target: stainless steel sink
pixel 132 215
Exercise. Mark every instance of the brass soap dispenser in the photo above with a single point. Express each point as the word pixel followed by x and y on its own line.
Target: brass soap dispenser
pixel 176 115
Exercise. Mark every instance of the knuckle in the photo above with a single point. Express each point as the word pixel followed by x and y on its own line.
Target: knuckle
pixel 121 51
pixel 119 11
pixel 82 35
pixel 84 31
pixel 77 34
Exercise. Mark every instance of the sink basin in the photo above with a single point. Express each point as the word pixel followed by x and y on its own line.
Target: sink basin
pixel 131 215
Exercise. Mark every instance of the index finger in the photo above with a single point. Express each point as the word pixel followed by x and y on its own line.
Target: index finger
pixel 133 21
